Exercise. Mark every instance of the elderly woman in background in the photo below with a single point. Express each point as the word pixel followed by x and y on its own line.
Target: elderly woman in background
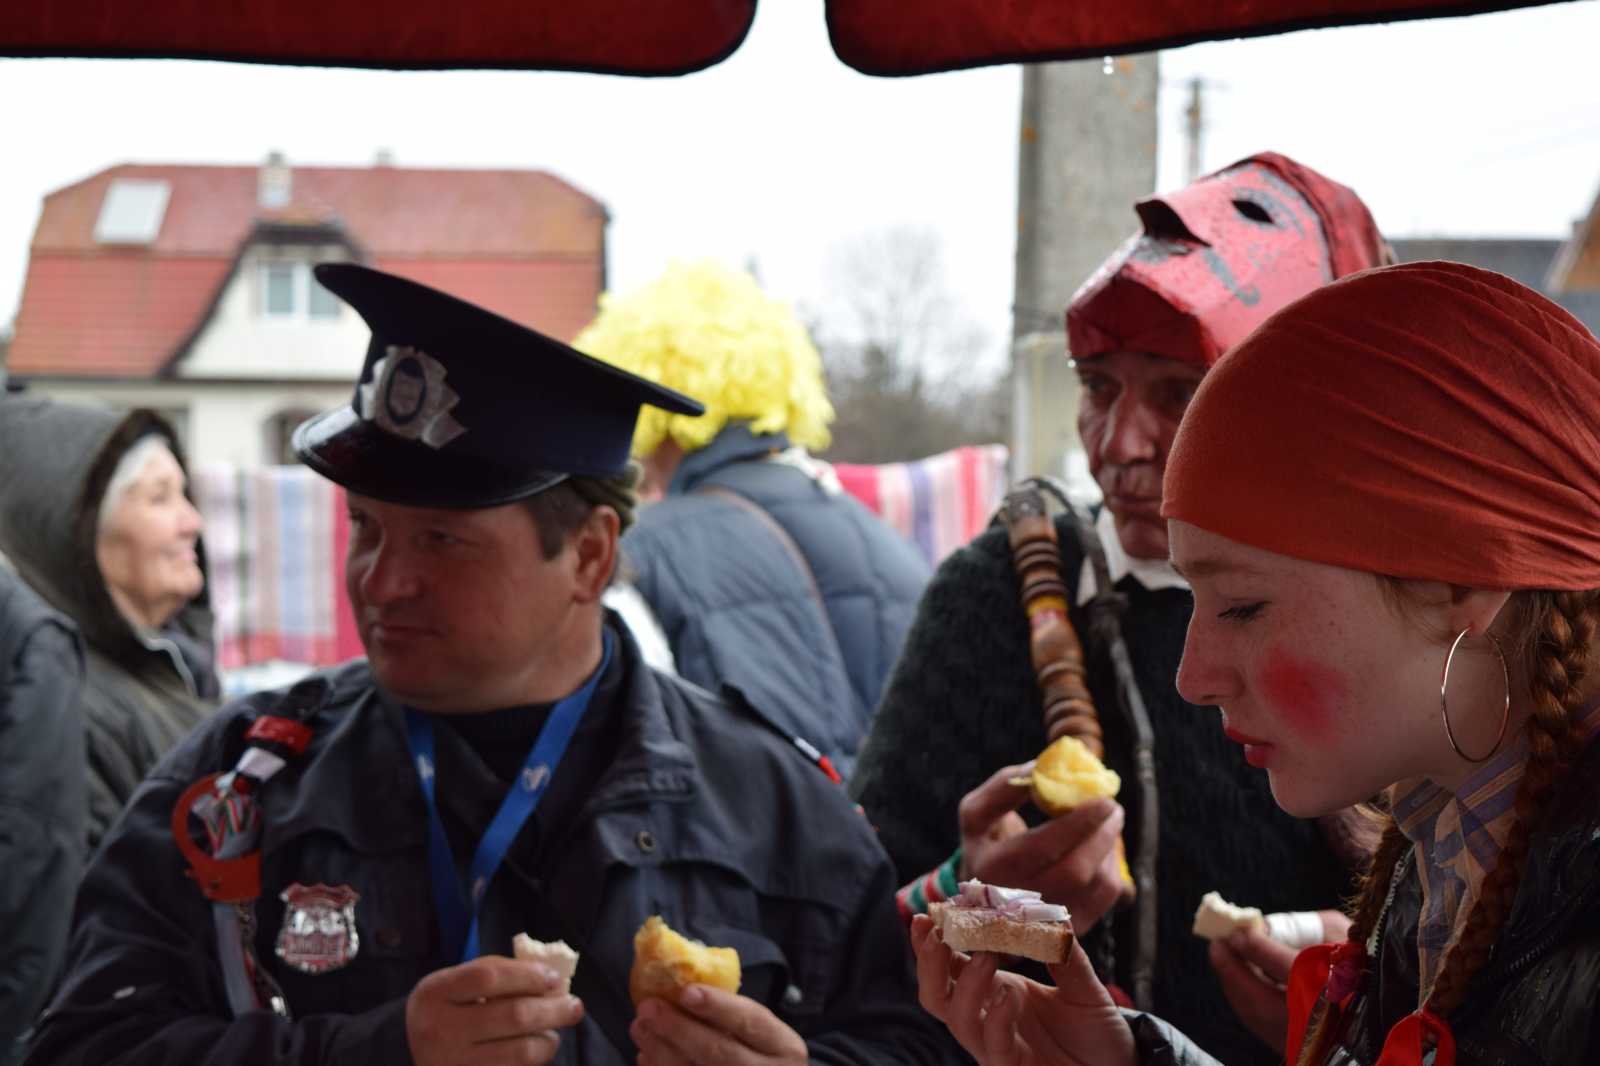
pixel 1387 500
pixel 95 516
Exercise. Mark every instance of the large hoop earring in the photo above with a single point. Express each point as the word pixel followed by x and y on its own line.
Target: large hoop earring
pixel 1444 703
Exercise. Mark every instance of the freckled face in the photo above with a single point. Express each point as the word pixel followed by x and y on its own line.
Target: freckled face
pixel 1323 682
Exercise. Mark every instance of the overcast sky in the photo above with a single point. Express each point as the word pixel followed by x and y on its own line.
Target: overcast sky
pixel 1488 125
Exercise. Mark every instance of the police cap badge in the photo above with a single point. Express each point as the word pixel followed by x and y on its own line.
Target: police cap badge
pixel 459 407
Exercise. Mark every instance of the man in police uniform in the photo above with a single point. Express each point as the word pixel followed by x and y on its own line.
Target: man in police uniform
pixel 502 762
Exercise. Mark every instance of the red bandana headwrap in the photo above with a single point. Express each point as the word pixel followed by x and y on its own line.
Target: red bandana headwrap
pixel 1217 257
pixel 1427 420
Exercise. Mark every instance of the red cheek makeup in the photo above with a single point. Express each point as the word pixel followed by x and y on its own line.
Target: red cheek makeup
pixel 1304 692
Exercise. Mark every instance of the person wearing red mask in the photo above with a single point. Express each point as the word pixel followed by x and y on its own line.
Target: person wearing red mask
pixel 962 714
pixel 1387 501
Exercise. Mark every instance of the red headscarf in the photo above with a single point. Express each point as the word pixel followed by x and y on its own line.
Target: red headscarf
pixel 1427 420
pixel 1217 257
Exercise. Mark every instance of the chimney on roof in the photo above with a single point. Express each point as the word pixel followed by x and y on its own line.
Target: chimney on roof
pixel 384 158
pixel 274 183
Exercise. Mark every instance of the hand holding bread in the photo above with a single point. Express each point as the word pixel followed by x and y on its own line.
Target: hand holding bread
pixel 1252 961
pixel 689 1010
pixel 486 1011
pixel 1072 859
pixel 1004 1019
pixel 1067 775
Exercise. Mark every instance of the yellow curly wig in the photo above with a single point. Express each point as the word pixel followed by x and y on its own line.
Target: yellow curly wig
pixel 712 333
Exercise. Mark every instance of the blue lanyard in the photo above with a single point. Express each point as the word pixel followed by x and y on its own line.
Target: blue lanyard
pixel 458 922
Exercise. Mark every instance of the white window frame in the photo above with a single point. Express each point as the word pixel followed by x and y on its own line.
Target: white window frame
pixel 301 281
pixel 264 278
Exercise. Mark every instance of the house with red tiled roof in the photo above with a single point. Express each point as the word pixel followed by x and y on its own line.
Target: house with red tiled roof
pixel 1577 268
pixel 189 288
pixel 1565 269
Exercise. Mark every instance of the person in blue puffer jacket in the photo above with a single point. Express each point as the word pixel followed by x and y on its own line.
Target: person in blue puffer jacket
pixel 764 574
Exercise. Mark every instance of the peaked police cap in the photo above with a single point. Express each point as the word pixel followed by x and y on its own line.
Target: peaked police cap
pixel 459 407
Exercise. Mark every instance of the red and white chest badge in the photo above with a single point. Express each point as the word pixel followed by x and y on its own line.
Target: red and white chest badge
pixel 319 927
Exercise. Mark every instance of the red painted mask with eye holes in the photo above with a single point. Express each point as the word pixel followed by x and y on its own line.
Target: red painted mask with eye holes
pixel 1219 256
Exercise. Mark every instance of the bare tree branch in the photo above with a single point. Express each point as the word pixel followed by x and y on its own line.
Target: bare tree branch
pixel 910 368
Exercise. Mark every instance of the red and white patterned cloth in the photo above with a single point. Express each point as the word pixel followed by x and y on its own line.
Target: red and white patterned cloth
pixel 275 542
pixel 938 503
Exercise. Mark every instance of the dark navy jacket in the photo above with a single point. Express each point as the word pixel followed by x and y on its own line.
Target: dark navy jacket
pixel 739 609
pixel 703 815
pixel 43 803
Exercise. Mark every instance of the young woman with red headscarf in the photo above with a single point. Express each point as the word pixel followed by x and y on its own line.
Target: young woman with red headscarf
pixel 1387 502
pixel 962 713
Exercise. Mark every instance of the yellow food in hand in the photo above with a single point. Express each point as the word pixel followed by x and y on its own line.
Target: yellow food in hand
pixel 665 963
pixel 1067 775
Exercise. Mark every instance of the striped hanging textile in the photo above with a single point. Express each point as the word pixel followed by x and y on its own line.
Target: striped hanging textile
pixel 938 503
pixel 275 539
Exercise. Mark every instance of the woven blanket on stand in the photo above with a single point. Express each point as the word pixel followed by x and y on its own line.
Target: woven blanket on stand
pixel 275 540
pixel 938 503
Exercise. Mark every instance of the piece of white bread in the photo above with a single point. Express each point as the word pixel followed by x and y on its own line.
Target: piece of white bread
pixel 982 929
pixel 1216 918
pixel 558 956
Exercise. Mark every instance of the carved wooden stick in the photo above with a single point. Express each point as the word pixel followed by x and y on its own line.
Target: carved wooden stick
pixel 1057 653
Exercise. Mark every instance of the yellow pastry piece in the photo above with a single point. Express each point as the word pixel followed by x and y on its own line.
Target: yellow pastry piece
pixel 665 963
pixel 1122 863
pixel 1067 775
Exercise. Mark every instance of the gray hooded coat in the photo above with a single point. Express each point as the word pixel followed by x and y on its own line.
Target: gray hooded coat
pixel 141 694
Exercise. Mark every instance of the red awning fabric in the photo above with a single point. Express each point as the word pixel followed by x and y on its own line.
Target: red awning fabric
pixel 893 37
pixel 655 37
pixel 643 37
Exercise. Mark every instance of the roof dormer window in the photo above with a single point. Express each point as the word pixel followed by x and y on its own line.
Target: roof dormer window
pixel 132 211
pixel 289 291
pixel 277 289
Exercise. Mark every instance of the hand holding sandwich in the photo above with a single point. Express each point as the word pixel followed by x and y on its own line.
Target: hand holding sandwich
pixel 1004 1019
pixel 1071 859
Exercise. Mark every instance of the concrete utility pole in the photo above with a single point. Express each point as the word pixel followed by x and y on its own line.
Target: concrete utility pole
pixel 1194 127
pixel 1088 152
